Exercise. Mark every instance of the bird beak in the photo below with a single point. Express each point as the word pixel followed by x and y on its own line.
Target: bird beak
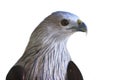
pixel 82 27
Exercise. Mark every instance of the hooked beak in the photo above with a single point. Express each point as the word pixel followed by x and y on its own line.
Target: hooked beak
pixel 82 27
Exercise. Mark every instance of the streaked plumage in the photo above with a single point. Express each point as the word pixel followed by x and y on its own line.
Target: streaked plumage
pixel 46 56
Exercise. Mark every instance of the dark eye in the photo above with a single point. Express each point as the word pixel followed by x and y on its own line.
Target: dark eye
pixel 64 22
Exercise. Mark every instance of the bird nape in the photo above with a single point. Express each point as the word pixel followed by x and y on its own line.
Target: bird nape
pixel 46 56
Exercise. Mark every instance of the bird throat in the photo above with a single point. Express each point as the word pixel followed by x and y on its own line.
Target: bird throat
pixel 48 63
pixel 55 62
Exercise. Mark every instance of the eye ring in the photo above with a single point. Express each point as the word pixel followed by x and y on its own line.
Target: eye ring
pixel 64 22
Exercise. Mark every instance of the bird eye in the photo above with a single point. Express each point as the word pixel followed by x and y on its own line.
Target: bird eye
pixel 64 22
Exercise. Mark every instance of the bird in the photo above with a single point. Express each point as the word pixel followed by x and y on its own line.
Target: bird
pixel 46 56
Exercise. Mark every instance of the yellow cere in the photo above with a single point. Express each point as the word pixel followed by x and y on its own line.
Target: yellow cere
pixel 79 21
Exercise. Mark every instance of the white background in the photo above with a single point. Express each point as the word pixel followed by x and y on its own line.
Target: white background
pixel 97 54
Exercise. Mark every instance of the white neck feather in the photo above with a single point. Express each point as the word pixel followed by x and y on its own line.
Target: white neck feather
pixel 55 62
pixel 48 63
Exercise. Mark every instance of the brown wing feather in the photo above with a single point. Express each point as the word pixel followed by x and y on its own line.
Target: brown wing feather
pixel 16 73
pixel 73 73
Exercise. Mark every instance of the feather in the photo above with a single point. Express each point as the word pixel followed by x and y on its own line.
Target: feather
pixel 16 73
pixel 73 72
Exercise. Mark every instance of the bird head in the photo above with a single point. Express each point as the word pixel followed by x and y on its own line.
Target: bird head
pixel 58 26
